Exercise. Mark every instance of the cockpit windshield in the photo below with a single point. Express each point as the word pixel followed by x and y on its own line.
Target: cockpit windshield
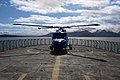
pixel 59 35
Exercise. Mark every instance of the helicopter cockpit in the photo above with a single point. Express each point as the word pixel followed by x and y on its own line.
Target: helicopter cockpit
pixel 59 35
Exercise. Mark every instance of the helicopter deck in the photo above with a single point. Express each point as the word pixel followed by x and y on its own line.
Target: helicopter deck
pixel 37 63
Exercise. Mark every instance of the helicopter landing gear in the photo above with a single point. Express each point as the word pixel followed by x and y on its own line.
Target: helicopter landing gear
pixel 67 48
pixel 51 48
pixel 70 47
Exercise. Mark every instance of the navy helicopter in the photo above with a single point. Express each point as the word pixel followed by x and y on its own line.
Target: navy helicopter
pixel 59 38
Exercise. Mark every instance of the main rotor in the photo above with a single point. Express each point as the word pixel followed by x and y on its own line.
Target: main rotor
pixel 59 27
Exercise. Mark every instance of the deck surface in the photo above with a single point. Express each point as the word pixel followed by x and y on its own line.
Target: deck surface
pixel 39 63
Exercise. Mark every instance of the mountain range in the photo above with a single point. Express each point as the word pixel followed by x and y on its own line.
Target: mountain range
pixel 85 33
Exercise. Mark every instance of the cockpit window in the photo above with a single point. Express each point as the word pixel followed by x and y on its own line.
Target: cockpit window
pixel 59 35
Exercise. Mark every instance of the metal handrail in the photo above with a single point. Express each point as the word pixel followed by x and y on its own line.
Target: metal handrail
pixel 17 43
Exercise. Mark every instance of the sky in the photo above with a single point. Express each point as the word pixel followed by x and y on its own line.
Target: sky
pixel 58 13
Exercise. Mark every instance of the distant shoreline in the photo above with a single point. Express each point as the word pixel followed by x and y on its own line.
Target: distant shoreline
pixel 49 36
pixel 19 36
pixel 85 33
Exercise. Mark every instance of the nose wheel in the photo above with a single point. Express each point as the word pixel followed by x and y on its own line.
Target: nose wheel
pixel 70 47
pixel 51 48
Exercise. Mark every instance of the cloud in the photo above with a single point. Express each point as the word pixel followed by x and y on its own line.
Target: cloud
pixel 108 18
pixel 39 6
pixel 47 19
pixel 105 12
pixel 110 15
pixel 12 27
pixel 55 6
pixel 88 3
pixel 111 9
pixel 5 25
pixel 22 30
pixel 37 18
pixel 115 2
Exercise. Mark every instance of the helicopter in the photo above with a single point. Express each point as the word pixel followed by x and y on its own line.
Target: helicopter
pixel 59 38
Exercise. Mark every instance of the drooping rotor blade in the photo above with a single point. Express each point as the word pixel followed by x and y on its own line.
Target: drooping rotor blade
pixel 85 25
pixel 89 28
pixel 44 26
pixel 66 27
pixel 28 25
pixel 91 25
pixel 34 25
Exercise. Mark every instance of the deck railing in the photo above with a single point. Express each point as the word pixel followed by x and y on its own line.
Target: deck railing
pixel 105 45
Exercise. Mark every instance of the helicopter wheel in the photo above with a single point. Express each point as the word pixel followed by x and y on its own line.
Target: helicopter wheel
pixel 51 48
pixel 70 47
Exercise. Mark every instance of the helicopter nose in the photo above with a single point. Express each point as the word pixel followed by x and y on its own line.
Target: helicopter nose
pixel 59 43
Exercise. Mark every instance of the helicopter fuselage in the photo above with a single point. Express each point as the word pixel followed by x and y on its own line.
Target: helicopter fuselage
pixel 59 41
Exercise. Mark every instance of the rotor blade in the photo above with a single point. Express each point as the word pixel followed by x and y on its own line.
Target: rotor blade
pixel 34 25
pixel 91 25
pixel 56 26
pixel 84 25
pixel 27 25
pixel 89 28
pixel 67 27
